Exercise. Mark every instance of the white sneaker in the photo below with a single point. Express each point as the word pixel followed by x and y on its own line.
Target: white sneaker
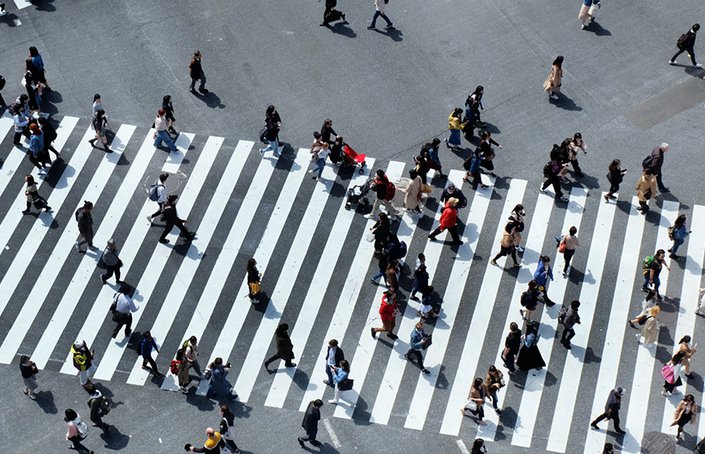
pixel 698 65
pixel 564 199
pixel 149 218
pixel 333 401
pixel 368 216
pixel 42 172
pixel 519 248
pixel 671 62
pixel 542 190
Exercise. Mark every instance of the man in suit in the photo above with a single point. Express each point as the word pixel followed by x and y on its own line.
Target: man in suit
pixel 310 423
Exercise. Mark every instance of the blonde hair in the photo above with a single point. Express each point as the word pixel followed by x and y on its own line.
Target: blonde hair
pixel 654 311
pixel 453 201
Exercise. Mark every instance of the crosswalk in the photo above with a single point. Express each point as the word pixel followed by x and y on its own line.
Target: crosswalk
pixel 316 261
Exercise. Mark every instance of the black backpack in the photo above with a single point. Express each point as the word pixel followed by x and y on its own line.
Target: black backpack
pixel 548 169
pixel 646 163
pixel 682 41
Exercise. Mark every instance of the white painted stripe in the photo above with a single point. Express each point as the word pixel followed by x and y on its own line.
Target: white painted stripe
pixel 477 331
pixel 261 343
pixel 612 351
pixel 462 447
pixel 129 251
pixel 152 273
pixel 331 432
pixel 6 125
pixel 570 381
pixel 42 288
pixel 426 384
pixel 314 297
pixel 346 302
pixel 187 270
pixel 643 369
pixel 366 345
pixel 533 387
pixel 21 4
pixel 396 364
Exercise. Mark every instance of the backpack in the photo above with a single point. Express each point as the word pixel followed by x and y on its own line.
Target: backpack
pixel 646 263
pixel 525 298
pixel 548 169
pixel 185 345
pixel 174 366
pixel 646 163
pixel 682 41
pixel 153 192
pixel 561 314
pixel 263 135
pixel 103 403
pixel 77 213
pixel 671 229
pixel 82 428
pixel 402 250
pixel 207 374
pixel 390 190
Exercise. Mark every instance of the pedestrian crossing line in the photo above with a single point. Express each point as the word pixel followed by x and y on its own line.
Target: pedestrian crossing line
pixel 21 4
pixel 356 278
pixel 396 364
pixel 314 297
pixel 366 346
pixel 223 267
pixel 180 283
pixel 645 359
pixel 614 334
pixel 6 125
pixel 261 343
pixel 426 384
pixel 479 322
pixel 129 251
pixel 12 161
pixel 27 251
pixel 160 255
pixel 570 382
pixel 534 385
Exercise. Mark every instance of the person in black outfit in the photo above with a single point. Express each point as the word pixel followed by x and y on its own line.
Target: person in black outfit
pixel 168 107
pixel 253 280
pixel 687 44
pixel 328 134
pixel 511 346
pixel 615 177
pixel 2 85
pixel 310 423
pixel 172 219
pixel 273 124
pixel 614 401
pixel 50 136
pixel 196 73
pixel 330 14
pixel 551 172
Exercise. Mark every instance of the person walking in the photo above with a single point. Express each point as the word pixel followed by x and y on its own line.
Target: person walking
pixel 253 281
pixel 476 401
pixel 689 350
pixel 384 190
pixel 584 16
pixel 677 234
pixel 551 172
pixel 334 355
pixel 50 135
pixel 76 431
pixel 161 132
pixel 36 150
pixel 328 134
pixel 507 245
pixel 494 381
pixel 172 219
pixel 272 126
pixel 380 232
pixel 310 423
pixel 122 313
pixel 20 122
pixel 452 191
pixel 97 104
pixel 380 5
pixel 652 266
pixel 99 406
pixel 529 300
pixel 614 402
pixel 656 165
pixel 512 343
pixel 412 195
pixel 147 344
pixel 529 355
pixel 33 197
pixel 182 366
pixel 197 74
pixel 420 283
pixel 82 358
pixel 112 263
pixel 213 445
pixel 455 125
pixel 569 321
pixel 672 374
pixel 615 175
pixel 575 146
pixel 517 217
pixel 645 190
pixel 168 107
pixel 651 326
pixel 319 153
pixel 686 43
pixel 2 79
pixel 158 189
pixel 569 243
pixel 218 385
pixel 552 84
pixel 686 412
pixel 649 302
pixel 85 227
pixel 100 125
pixel 429 152
pixel 29 371
pixel 190 347
pixel 37 63
pixel 388 311
pixel 478 447
pixel 542 275
pixel 419 341
pixel 448 221
pixel 340 377
pixel 330 14
pixel 486 152
pixel 227 428
pixel 285 349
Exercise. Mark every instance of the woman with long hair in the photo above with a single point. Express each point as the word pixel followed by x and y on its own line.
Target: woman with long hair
pixel 615 175
pixel 553 82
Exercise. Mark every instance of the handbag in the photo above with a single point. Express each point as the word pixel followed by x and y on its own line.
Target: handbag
pixel 562 246
pixel 346 385
pixel 647 194
pixel 426 341
pixel 254 288
pixel 668 374
pixel 370 237
pixel 39 202
pixel 642 320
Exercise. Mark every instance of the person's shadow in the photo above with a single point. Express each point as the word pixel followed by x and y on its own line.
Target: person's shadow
pixel 598 29
pixel 341 28
pixel 210 99
pixel 392 32
pixel 565 102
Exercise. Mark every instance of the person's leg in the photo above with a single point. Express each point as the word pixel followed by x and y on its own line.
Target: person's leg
pixel 202 85
pixel 158 212
pixel 657 284
pixel 272 359
pixel 576 168
pixel 513 253
pixel 128 325
pixel 193 84
pixel 118 326
pixel 556 183
pixel 374 18
pixel 167 229
pixel 391 211
pixel 435 233
pixel 567 257
pixel 502 252
pixel 615 421
pixel 676 244
pixel 184 231
pixel 691 52
pixel 321 164
pixel 329 373
pixel 108 273
pixel 571 334
pixel 389 22
pixel 602 417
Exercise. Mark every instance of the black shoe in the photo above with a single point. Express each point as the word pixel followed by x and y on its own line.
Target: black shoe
pixel 26 212
pixel 290 365
pixel 425 371
pixel 128 332
pixel 621 432
pixel 663 191
pixel 374 335
pixel 632 325
pixel 203 91
pixel 594 426
pixel 164 241
pixel 301 442
pixel 323 24
pixel 407 356
pixel 392 336
pixel 315 443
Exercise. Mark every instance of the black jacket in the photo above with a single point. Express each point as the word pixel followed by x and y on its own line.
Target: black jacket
pixel 311 418
pixel 339 355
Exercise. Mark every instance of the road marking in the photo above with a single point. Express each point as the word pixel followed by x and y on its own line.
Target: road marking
pixel 461 446
pixel 331 432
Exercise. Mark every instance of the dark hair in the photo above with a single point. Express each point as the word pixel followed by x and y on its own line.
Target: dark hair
pixel 30 179
pixel 345 365
pixel 573 230
pixel 24 359
pixel 193 339
pixel 513 326
pixel 575 304
pixel 70 414
pixel 333 342
pixel 614 164
pixel 96 97
pixel 436 141
pixel 282 328
pixel 478 89
pixel 163 177
pixel 380 173
pixel 146 334
pixel 477 383
pixel 224 408
pixel 87 205
pixel 577 136
pixel 695 27
pixel 318 403
pixel 161 112
pixel 458 112
pixel 680 220
pixel 412 174
pixel 166 99
pixel 316 135
pixel 558 61
pixel 689 398
pixel 270 110
pixel 685 338
pixel 545 258
pixel 532 284
pixel 35 53
pixel 251 264
pixel 660 252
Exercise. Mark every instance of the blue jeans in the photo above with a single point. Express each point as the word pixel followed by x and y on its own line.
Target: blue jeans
pixel 378 14
pixel 272 145
pixel 676 244
pixel 657 282
pixel 330 375
pixel 163 136
pixel 318 169
pixel 381 274
pixel 454 138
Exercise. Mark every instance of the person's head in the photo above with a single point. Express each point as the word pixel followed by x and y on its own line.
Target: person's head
pixel 316 135
pixel 345 365
pixel 458 112
pixel 609 449
pixel 436 141
pixel 339 140
pixel 575 304
pixel 383 218
pixel 450 187
pixel 333 343
pixel 419 326
pixel 380 173
pixel 577 136
pixel 689 398
pixel 519 209
pixel 412 174
pixel 328 123
pixel 422 257
pixel 224 409
pixel 160 112
pixel 24 98
pixel 282 328
pixel 654 310
pixel 163 177
pixel 532 284
pixel 452 202
pixel 513 326
pixel 484 134
pixel 558 61
pixel 70 414
pixel 166 99
pixel 218 361
pixel 615 164
pixel 96 97
pixel 479 90
pixel 660 254
pixel 647 171
pixel 492 369
pixel 270 110
pixel 685 339
pixel 33 51
pixel 478 444
pixel 619 391
pixel 664 147
pixel 111 245
pixel 171 198
pixel 680 220
pixel 318 403
pixel 545 259
pixel 147 335
pixel 29 179
pixel 24 359
pixel 193 340
pixel 88 206
pixel 695 27
pixel 210 432
pixel 390 296
pixel 251 263
pixel 197 55
pixel 573 230
pixel 477 383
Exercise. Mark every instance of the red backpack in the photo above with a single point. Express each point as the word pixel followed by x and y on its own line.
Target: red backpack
pixel 390 191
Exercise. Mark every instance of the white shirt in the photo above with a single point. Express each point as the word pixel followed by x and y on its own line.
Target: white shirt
pixel 379 5
pixel 161 191
pixel 160 123
pixel 125 305
pixel 331 356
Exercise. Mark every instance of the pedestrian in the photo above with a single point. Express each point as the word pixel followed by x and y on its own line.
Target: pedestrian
pixel 529 355
pixel 608 449
pixel 99 406
pixel 677 234
pixel 486 152
pixel 380 5
pixel 319 152
pixel 112 263
pixel 76 431
pixel 330 14
pixel 615 175
pixel 430 153
pixel 651 266
pixel 672 374
pixel 478 447
pixel 100 125
pixel 700 447
pixel 146 346
pixel 655 161
pixel 649 302
pixel 158 190
pixel 542 275
pixel 197 74
pixel 161 133
pixel 614 402
pixel 575 146
pixel 507 245
pixel 190 347
pixel 310 423
pixel 38 66
pixel 584 16
pixel 517 217
pixel 551 172
pixel 475 106
pixel 20 122
pixel 388 310
pixel 686 412
pixel 428 307
pixel 390 275
pixel 552 84
pixel 412 195
pixel 686 43
pixel 171 217
pixel 569 321
pixel 567 245
pixel 218 385
pixel 213 445
pixel 328 134
pixel 34 92
pixel 448 221
pixel 334 355
pixel 419 341
pixel 33 197
pixel 29 370
pixel 420 283
pixel 380 232
pixel 227 428
pixel 85 227
pixel 97 104
pixel 50 135
pixel 494 381
pixel 168 107
pixel 476 401
pixel 453 191
pixel 512 343
pixel 645 190
pixel 36 150
pixel 529 300
pixel 2 79
pixel 182 366
pixel 253 281
pixel 340 379
pixel 285 349
pixel 454 126
pixel 82 358
pixel 384 190
pixel 273 124
pixel 124 306
pixel 689 350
